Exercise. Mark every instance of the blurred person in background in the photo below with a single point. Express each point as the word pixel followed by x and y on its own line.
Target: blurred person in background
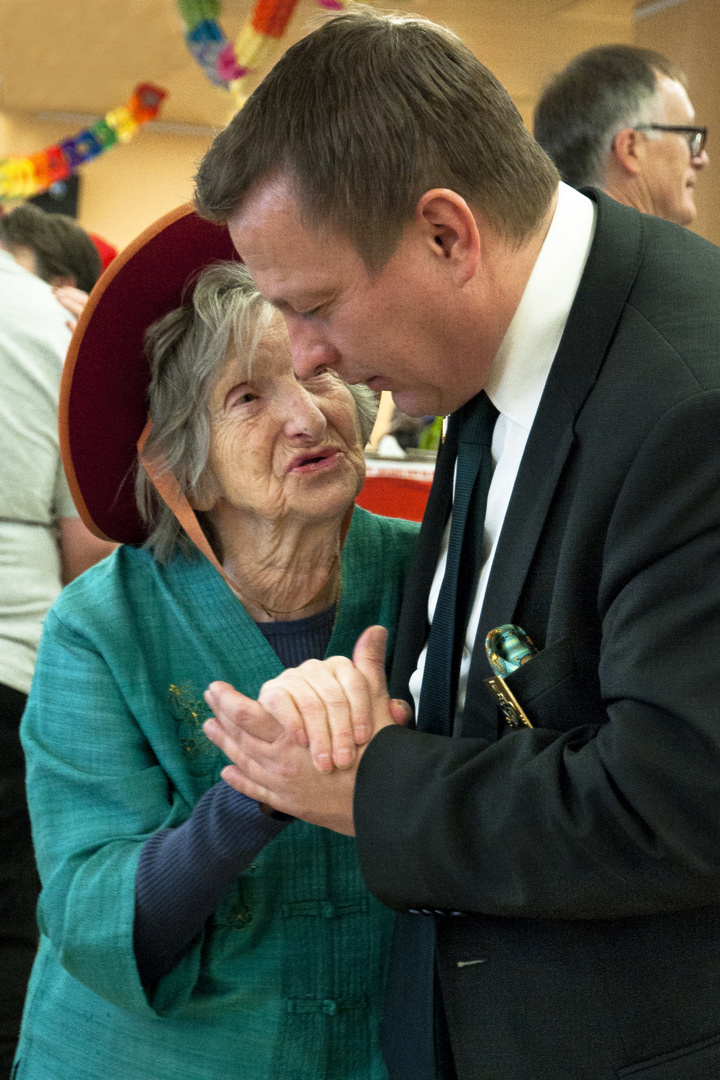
pixel 619 118
pixel 43 543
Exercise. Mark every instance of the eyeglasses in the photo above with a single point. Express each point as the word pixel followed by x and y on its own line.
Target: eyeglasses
pixel 696 136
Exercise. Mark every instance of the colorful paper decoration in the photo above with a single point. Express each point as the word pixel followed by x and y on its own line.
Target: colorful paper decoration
pixel 228 65
pixel 21 177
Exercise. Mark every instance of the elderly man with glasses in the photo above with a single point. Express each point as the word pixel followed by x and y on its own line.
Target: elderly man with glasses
pixel 619 118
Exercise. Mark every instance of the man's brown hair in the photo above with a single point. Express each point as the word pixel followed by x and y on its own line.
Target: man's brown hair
pixel 364 115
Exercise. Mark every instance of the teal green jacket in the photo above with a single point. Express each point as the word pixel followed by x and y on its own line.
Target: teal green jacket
pixel 285 982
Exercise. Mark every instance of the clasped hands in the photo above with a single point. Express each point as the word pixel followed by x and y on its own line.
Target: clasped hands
pixel 296 749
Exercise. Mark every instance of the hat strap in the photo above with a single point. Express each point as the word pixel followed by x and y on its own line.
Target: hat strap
pixel 168 489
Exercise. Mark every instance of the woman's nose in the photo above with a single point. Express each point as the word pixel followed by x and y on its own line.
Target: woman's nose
pixel 304 421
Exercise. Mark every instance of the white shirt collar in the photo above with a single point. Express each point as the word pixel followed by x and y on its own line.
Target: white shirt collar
pixel 523 361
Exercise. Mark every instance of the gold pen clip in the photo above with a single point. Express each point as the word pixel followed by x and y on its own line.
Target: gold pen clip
pixel 510 707
pixel 508 648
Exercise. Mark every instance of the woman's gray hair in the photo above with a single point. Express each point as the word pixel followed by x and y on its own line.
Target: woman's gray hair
pixel 187 350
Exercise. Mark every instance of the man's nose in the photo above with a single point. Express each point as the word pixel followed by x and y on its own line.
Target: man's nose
pixel 701 160
pixel 310 351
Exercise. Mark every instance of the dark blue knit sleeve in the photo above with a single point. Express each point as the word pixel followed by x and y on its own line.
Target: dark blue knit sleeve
pixel 183 873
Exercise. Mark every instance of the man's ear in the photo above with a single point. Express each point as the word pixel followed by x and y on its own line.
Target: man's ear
pixel 628 150
pixel 450 230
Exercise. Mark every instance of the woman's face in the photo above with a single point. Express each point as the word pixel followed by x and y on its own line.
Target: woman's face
pixel 279 447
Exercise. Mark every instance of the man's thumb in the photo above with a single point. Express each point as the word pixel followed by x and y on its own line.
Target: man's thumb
pixel 369 658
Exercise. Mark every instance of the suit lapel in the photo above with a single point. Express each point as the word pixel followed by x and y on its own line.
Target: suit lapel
pixel 611 269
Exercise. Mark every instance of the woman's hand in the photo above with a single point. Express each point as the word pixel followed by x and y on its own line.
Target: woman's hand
pixel 335 706
pixel 73 300
pixel 266 739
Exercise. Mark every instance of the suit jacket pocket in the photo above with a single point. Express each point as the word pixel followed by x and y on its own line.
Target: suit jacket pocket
pixel 701 1061
pixel 559 687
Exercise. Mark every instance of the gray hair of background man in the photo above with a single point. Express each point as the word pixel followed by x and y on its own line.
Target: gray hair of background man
pixel 362 117
pixel 188 350
pixel 599 93
pixel 62 247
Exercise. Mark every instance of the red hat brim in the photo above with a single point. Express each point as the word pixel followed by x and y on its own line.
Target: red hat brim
pixel 103 393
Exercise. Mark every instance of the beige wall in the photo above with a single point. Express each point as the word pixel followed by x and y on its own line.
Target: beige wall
pixel 131 185
pixel 689 33
pixel 126 188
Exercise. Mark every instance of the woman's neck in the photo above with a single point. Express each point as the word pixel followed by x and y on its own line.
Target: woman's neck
pixel 281 570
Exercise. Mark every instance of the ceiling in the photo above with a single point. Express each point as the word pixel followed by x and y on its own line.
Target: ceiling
pixel 85 56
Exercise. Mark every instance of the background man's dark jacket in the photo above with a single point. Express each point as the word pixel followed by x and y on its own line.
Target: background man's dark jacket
pixel 587 850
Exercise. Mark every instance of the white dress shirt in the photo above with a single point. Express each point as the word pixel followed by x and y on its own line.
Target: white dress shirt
pixel 519 373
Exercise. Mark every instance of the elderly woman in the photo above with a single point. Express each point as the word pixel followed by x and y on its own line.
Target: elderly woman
pixel 187 932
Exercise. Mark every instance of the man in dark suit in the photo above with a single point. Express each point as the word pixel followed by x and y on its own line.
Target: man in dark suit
pixel 557 882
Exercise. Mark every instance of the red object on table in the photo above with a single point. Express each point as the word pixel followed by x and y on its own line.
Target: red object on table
pixel 396 488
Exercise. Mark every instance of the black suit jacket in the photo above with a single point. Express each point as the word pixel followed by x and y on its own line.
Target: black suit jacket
pixel 584 853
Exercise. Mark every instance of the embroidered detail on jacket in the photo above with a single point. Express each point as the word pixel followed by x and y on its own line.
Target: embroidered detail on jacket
pixel 189 712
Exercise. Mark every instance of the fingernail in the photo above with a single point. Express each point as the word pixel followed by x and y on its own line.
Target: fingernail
pixel 343 758
pixel 323 762
pixel 362 733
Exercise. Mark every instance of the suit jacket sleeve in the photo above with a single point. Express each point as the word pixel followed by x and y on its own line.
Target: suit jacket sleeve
pixel 607 814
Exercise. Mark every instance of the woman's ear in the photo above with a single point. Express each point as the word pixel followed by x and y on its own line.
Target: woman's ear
pixel 451 230
pixel 204 497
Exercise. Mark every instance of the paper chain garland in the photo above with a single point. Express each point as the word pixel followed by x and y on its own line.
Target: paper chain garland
pixel 226 64
pixel 21 177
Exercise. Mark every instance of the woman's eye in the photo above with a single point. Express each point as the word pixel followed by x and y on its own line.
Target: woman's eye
pixel 244 397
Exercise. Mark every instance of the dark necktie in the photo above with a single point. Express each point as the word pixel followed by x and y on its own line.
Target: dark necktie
pixel 475 422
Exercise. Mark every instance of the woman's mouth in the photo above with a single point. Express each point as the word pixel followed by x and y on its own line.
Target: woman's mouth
pixel 317 462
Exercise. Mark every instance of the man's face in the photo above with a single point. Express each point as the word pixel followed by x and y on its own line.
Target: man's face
pixel 669 173
pixel 399 330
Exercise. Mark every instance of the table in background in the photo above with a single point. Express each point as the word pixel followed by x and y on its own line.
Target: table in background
pixel 398 487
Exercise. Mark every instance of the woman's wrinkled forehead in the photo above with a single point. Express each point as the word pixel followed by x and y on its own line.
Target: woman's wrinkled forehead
pixel 264 339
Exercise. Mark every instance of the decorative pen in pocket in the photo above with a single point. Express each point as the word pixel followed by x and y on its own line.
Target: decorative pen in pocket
pixel 508 648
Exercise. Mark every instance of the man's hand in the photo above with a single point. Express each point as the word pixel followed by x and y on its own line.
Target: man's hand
pixel 264 740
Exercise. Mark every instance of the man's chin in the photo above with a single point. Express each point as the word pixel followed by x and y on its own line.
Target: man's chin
pixel 413 403
pixel 687 213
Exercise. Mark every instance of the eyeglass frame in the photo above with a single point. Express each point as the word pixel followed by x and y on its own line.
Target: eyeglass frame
pixel 694 133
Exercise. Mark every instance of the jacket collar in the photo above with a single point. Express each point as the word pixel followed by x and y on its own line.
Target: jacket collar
pixel 610 272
